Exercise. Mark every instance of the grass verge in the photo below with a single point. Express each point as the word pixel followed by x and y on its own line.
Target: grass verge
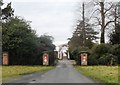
pixel 0 75
pixel 10 72
pixel 104 74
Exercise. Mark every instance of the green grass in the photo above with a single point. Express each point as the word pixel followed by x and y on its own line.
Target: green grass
pixel 104 74
pixel 10 72
pixel 0 74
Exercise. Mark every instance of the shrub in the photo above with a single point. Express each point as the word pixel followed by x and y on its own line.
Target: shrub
pixel 75 55
pixel 102 60
pixel 108 59
pixel 115 50
pixel 92 60
pixel 100 49
pixel 104 54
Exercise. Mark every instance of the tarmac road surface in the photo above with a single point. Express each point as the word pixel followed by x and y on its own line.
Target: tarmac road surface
pixel 63 73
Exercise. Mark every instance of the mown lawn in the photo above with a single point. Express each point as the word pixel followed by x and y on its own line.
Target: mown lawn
pixel 10 72
pixel 104 74
pixel 0 74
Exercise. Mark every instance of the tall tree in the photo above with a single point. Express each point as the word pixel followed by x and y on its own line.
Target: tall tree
pixel 20 41
pixel 24 47
pixel 0 24
pixel 0 33
pixel 115 35
pixel 84 33
pixel 45 43
pixel 7 12
pixel 83 25
pixel 1 3
pixel 104 20
pixel 78 36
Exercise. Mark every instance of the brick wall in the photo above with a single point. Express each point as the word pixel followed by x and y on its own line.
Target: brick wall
pixel 5 58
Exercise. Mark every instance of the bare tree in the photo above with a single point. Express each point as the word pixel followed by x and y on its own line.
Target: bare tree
pixel 102 22
pixel 115 35
pixel 105 18
pixel 83 18
pixel 84 31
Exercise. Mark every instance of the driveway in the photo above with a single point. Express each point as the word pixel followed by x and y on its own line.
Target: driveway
pixel 63 73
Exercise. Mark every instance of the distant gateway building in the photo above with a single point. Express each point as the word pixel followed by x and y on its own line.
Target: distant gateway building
pixel 63 51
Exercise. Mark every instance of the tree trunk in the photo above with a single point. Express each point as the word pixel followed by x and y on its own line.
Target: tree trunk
pixel 83 16
pixel 102 40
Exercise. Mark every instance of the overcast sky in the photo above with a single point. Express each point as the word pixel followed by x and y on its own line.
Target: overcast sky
pixel 53 17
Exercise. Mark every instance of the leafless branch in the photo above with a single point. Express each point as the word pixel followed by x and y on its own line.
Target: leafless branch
pixel 106 10
pixel 93 13
pixel 95 2
pixel 99 23
pixel 108 23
